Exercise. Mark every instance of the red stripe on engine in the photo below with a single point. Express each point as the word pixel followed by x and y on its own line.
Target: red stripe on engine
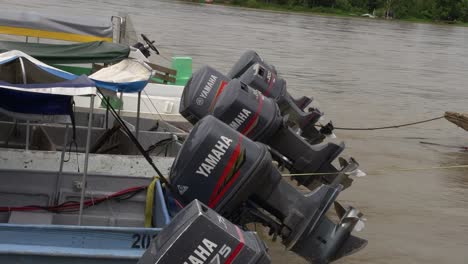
pixel 216 195
pixel 238 249
pixel 225 189
pixel 254 119
pixel 220 90
pixel 273 78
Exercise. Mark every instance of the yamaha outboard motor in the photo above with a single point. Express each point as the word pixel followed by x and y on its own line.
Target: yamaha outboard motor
pixel 200 93
pixel 197 234
pixel 207 84
pixel 260 77
pixel 235 176
pixel 248 59
pixel 259 118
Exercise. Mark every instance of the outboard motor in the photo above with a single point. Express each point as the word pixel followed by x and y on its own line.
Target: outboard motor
pixel 207 84
pixel 200 93
pixel 235 176
pixel 260 77
pixel 197 234
pixel 259 118
pixel 248 59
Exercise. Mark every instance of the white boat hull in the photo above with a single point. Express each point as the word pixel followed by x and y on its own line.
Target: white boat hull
pixel 158 101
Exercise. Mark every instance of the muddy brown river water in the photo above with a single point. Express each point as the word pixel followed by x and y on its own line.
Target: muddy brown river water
pixel 361 73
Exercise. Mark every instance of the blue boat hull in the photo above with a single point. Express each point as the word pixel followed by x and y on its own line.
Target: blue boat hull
pixel 73 244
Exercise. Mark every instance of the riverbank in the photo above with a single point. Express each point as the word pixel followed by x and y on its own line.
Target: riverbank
pixel 324 11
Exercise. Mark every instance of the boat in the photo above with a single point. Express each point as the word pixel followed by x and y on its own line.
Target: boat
pixel 110 232
pixel 52 215
pixel 44 204
pixel 126 76
pixel 100 42
pixel 459 119
pixel 368 15
pixel 34 168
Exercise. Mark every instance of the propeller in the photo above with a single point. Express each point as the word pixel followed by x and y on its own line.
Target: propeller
pixel 348 169
pixel 351 217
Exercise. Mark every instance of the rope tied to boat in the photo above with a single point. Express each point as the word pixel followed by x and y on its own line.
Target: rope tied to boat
pixel 377 171
pixel 387 127
pixel 150 202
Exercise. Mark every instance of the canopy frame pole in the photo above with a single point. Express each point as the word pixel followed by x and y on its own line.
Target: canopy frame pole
pixel 58 181
pixel 28 132
pixel 121 102
pixel 122 26
pixel 86 159
pixel 137 128
pixel 28 128
pixel 23 70
pixel 107 116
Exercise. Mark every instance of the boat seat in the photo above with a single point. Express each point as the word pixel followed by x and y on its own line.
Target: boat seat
pixel 164 74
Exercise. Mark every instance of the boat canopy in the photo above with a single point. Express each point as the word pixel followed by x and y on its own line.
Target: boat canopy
pixel 53 26
pixel 46 102
pixel 127 76
pixel 89 52
pixel 18 67
pixel 32 90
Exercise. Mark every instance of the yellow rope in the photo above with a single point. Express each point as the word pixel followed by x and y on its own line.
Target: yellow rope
pixel 150 202
pixel 379 171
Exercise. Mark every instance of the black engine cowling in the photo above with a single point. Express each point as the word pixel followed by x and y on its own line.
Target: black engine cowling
pixel 200 93
pixel 197 234
pixel 258 117
pixel 272 86
pixel 246 60
pixel 203 89
pixel 235 176
pixel 261 77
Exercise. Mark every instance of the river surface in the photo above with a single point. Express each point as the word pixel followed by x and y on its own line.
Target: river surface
pixel 361 73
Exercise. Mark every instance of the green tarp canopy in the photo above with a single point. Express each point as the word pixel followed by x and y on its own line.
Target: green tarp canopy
pixel 89 52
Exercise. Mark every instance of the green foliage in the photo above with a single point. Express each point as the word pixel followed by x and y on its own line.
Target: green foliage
pixel 464 8
pixel 437 10
pixel 450 10
pixel 343 5
pixel 293 3
pixel 252 4
pixel 372 5
pixel 237 2
pixel 379 12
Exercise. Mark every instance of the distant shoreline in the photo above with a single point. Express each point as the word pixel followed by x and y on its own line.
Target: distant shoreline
pixel 328 12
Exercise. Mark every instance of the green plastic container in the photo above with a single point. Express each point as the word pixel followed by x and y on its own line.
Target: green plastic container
pixel 183 66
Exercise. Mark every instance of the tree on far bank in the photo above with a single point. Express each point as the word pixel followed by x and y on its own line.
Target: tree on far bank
pixel 449 10
pixel 441 10
pixel 372 5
